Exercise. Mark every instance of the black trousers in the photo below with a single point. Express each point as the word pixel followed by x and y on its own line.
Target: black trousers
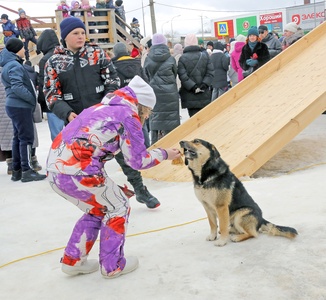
pixel 22 121
pixel 33 40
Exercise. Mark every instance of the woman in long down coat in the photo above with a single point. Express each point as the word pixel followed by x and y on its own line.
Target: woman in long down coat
pixel 196 73
pixel 161 69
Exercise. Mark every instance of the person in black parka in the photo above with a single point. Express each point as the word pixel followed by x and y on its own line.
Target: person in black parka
pixel 221 64
pixel 196 73
pixel 161 70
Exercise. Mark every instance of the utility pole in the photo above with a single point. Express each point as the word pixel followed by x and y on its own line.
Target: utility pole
pixel 172 28
pixel 202 27
pixel 142 6
pixel 151 5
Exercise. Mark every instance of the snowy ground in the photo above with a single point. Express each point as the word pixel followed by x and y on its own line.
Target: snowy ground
pixel 176 262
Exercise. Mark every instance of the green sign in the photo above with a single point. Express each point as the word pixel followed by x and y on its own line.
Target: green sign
pixel 243 24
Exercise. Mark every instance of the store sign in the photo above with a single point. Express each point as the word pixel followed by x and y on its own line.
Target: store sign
pixel 244 24
pixel 271 18
pixel 307 16
pixel 273 21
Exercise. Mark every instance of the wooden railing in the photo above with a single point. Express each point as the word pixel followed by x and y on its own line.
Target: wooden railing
pixel 92 23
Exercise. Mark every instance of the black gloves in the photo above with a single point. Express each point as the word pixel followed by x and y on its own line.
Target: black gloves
pixel 193 89
pixel 203 86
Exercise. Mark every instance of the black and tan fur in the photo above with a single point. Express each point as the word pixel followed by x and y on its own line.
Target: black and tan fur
pixel 225 198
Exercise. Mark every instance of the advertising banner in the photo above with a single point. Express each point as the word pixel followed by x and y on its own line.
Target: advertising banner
pixel 273 21
pixel 243 24
pixel 306 16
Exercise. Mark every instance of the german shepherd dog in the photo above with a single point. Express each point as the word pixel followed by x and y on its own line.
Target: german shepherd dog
pixel 225 198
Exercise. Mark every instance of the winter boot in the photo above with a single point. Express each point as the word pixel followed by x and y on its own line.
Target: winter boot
pixel 86 267
pixel 35 165
pixel 16 175
pixel 144 196
pixel 31 175
pixel 131 265
pixel 9 164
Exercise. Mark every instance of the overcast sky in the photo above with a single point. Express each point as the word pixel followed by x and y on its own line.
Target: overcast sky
pixel 186 16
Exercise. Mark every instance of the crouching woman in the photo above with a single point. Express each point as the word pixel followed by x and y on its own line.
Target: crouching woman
pixel 76 172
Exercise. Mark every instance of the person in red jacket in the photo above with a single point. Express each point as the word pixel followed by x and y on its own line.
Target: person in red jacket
pixel 26 31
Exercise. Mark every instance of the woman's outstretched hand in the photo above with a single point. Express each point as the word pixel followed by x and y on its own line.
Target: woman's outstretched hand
pixel 173 153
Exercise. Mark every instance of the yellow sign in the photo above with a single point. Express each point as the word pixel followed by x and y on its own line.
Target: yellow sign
pixel 222 28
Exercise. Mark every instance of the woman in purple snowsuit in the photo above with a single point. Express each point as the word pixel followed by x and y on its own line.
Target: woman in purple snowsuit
pixel 76 172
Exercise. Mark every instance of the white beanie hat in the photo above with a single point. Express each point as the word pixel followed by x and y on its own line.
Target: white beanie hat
pixel 144 41
pixel 293 27
pixel 143 91
pixel 241 38
pixel 191 40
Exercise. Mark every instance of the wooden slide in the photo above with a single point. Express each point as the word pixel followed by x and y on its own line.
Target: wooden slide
pixel 253 121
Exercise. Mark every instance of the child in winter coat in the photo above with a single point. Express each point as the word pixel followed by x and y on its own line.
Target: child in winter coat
pixel 75 5
pixel 235 56
pixel 65 8
pixel 135 31
pixel 20 104
pixel 9 29
pixel 86 5
pixel 254 54
pixel 76 172
pixel 26 31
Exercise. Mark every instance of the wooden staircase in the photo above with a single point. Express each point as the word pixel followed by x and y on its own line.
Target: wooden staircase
pixel 112 36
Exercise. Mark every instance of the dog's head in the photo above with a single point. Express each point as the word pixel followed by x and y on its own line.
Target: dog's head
pixel 197 153
pixel 198 150
pixel 203 160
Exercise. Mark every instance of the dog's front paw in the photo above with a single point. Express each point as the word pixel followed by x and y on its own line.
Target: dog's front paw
pixel 221 242
pixel 211 237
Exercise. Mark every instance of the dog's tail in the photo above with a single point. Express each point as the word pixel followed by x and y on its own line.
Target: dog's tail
pixel 272 229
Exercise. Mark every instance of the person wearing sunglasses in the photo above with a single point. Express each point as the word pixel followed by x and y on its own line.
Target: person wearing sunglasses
pixel 273 44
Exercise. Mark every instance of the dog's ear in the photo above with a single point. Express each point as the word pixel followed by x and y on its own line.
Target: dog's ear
pixel 215 152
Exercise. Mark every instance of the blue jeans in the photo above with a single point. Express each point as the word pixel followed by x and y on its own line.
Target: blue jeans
pixel 55 124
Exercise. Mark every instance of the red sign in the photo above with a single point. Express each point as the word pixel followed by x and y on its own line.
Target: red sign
pixel 271 18
pixel 230 28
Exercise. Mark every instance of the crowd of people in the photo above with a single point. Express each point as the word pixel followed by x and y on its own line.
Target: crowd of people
pixel 126 104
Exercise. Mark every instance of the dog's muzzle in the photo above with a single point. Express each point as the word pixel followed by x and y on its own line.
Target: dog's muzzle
pixel 189 153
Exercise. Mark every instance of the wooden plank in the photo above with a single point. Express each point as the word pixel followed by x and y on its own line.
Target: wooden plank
pixel 250 123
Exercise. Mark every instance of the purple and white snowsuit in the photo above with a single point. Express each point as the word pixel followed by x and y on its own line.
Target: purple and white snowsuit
pixel 76 172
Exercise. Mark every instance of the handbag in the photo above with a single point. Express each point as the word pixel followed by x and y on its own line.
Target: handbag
pixel 37 113
pixel 246 73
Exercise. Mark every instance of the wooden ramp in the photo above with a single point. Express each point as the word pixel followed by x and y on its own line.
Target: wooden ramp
pixel 255 119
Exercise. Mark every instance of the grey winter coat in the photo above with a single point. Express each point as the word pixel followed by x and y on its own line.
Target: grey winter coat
pixel 161 70
pixel 273 44
pixel 286 42
pixel 6 130
pixel 195 68
pixel 221 66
